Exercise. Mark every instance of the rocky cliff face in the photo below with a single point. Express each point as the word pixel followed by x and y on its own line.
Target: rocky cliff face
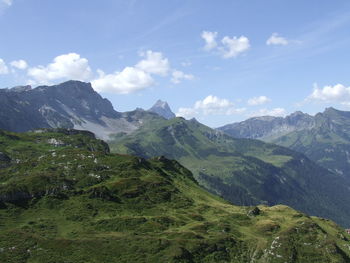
pixel 268 127
pixel 162 108
pixel 72 104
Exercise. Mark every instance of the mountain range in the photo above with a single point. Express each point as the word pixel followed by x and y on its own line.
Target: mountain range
pixel 72 104
pixel 65 198
pixel 324 138
pixel 268 127
pixel 243 171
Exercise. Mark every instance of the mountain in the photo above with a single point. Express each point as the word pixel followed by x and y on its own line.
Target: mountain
pixel 324 138
pixel 162 109
pixel 72 104
pixel 243 171
pixel 327 143
pixel 65 198
pixel 268 127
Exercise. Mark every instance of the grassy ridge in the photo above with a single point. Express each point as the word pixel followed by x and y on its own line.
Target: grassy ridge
pixel 243 171
pixel 64 198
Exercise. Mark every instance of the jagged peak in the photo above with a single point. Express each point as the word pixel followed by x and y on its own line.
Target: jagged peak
pixel 296 113
pixel 330 109
pixel 161 104
pixel 69 85
pixel 162 108
pixel 21 88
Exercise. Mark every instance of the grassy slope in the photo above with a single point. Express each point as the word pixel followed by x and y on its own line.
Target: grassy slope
pixel 75 202
pixel 243 171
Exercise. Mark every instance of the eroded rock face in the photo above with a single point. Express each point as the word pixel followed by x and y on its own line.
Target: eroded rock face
pixel 4 160
pixel 254 212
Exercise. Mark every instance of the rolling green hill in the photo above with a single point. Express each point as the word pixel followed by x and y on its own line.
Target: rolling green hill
pixel 65 198
pixel 243 171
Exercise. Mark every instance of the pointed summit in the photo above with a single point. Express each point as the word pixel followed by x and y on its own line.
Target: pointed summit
pixel 162 108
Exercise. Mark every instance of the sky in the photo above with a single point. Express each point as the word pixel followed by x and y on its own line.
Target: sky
pixel 218 61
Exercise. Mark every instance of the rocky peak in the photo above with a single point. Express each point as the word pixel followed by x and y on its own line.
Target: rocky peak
pixel 330 109
pixel 331 112
pixel 71 104
pixel 266 127
pixel 21 88
pixel 162 108
pixel 161 104
pixel 298 113
pixel 77 97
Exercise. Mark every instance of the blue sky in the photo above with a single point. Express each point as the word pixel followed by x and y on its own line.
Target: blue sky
pixel 219 61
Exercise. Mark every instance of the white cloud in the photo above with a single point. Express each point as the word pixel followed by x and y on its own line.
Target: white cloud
pixel 3 67
pixel 67 66
pixel 211 105
pixel 234 46
pixel 129 80
pixel 136 78
pixel 154 63
pixel 7 2
pixel 230 46
pixel 178 75
pixel 258 100
pixel 210 40
pixel 276 112
pixel 275 39
pixel 19 64
pixel 337 93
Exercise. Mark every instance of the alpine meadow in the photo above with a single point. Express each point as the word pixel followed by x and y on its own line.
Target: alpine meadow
pixel 174 131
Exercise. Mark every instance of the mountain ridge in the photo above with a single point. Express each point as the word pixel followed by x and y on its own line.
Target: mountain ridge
pixel 72 104
pixel 266 127
pixel 324 138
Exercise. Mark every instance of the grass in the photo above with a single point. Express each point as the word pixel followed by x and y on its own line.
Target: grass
pixel 84 204
pixel 242 171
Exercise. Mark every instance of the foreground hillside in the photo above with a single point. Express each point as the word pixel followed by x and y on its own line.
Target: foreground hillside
pixel 65 198
pixel 245 172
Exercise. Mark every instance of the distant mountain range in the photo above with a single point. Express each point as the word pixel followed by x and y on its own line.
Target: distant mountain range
pixel 72 104
pixel 268 127
pixel 324 138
